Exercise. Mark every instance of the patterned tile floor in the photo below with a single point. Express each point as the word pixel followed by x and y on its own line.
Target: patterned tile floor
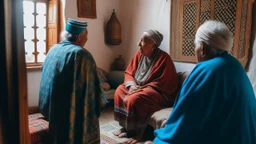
pixel 107 116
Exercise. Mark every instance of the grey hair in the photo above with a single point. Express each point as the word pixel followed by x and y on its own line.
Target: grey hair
pixel 153 36
pixel 215 35
pixel 69 36
pixel 211 49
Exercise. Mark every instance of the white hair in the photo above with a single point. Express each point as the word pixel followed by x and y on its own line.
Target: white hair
pixel 216 35
pixel 65 35
pixel 153 36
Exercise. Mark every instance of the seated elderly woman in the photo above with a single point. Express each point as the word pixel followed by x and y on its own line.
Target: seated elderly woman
pixel 216 104
pixel 150 84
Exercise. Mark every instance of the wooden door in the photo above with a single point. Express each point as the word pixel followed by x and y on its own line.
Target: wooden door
pixel 14 105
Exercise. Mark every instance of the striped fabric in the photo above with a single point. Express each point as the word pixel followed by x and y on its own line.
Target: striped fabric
pixel 38 128
pixel 35 116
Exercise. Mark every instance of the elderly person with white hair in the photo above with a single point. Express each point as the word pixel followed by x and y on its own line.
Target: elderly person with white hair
pixel 70 96
pixel 150 84
pixel 216 104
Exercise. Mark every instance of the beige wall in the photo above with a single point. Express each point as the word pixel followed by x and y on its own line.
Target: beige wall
pixel 252 68
pixel 33 87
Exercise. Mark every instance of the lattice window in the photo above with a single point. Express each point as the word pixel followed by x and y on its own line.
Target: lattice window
pixel 188 15
pixel 42 28
pixel 205 9
pixel 225 11
pixel 189 28
pixel 34 17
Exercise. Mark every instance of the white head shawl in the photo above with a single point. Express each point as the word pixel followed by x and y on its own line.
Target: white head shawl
pixel 155 36
pixel 216 34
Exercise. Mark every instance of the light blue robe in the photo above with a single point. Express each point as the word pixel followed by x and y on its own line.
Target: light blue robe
pixel 216 105
pixel 70 96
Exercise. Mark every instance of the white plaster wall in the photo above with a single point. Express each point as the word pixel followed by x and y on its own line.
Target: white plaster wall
pixel 33 78
pixel 181 67
pixel 252 67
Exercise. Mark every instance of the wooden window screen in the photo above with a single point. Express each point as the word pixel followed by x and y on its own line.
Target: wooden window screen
pixel 41 28
pixel 188 15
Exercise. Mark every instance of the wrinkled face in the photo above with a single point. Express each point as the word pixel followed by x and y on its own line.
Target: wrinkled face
pixel 146 47
pixel 200 53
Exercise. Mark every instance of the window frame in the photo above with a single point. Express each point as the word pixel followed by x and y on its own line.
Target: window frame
pixel 54 26
pixel 37 64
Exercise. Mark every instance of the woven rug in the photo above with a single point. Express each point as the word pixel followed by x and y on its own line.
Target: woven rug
pixel 106 133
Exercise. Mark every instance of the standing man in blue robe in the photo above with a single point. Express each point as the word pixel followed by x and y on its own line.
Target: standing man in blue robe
pixel 216 104
pixel 70 96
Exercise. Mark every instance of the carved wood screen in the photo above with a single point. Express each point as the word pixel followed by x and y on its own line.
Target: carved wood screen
pixel 188 15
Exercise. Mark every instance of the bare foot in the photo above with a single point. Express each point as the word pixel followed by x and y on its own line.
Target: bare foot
pixel 123 134
pixel 120 131
pixel 133 140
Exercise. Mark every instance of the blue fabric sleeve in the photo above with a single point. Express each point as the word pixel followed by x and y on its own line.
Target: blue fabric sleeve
pixel 192 110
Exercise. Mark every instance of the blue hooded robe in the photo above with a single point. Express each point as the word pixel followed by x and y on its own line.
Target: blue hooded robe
pixel 216 105
pixel 70 96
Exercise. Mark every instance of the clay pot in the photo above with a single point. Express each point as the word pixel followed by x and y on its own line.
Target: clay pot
pixel 119 63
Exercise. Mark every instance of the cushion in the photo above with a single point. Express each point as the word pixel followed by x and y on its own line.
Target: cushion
pixel 159 116
pixel 109 94
pixel 38 128
pixel 115 78
pixel 35 116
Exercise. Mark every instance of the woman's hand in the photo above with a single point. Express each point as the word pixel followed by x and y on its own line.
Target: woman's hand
pixel 133 89
pixel 163 123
